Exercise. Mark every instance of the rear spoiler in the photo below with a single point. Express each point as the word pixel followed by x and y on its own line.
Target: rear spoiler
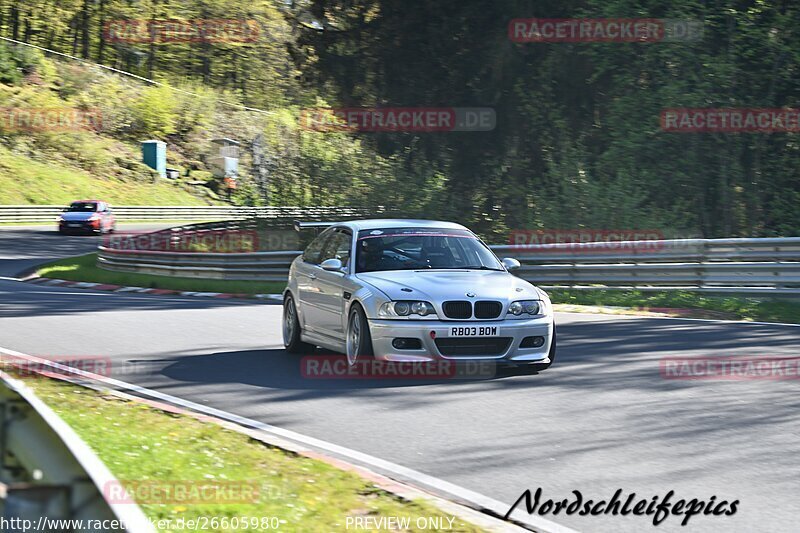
pixel 300 225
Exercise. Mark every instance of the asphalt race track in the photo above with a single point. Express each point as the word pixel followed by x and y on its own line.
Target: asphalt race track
pixel 601 419
pixel 22 248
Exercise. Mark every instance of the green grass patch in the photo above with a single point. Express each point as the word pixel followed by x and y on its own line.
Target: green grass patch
pixel 25 181
pixel 84 268
pixel 304 494
pixel 704 305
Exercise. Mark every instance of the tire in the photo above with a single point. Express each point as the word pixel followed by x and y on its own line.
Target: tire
pixel 358 339
pixel 551 355
pixel 291 329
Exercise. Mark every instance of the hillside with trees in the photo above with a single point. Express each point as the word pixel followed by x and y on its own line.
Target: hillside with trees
pixel 578 141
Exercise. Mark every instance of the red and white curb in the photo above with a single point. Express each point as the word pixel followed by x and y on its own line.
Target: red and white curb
pixel 52 282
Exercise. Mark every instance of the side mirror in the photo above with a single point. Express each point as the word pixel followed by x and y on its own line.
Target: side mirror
pixel 510 263
pixel 332 265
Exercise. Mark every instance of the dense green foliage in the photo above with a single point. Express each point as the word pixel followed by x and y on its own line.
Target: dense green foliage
pixel 577 143
pixel 578 140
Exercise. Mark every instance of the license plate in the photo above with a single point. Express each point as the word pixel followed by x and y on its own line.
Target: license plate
pixel 74 225
pixel 472 331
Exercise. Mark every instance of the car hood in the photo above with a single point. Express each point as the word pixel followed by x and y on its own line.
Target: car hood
pixel 77 216
pixel 440 285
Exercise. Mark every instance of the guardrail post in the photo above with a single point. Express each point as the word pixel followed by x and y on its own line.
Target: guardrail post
pixel 702 272
pixel 11 410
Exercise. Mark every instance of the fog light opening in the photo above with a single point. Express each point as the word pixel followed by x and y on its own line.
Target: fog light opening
pixel 405 343
pixel 532 342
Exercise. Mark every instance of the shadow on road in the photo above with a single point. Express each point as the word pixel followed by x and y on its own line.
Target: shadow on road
pixel 26 300
pixel 277 369
pixel 598 355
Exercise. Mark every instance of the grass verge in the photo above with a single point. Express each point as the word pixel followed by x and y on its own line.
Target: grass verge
pixel 685 303
pixel 303 494
pixel 84 268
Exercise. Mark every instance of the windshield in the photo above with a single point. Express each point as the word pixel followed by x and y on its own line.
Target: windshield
pixel 83 207
pixel 422 249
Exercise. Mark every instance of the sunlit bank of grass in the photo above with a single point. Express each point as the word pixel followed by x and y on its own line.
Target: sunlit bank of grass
pixel 140 443
pixel 26 181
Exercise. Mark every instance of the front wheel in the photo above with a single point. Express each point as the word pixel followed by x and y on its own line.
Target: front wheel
pixel 291 329
pixel 359 341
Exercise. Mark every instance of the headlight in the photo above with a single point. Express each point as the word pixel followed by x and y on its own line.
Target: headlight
pixel 406 308
pixel 526 308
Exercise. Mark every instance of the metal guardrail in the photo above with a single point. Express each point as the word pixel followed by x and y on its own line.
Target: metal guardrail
pixel 751 266
pixel 748 266
pixel 49 473
pixel 48 213
pixel 257 266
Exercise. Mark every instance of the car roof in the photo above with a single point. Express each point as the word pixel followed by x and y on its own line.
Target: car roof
pixel 388 223
pixel 87 202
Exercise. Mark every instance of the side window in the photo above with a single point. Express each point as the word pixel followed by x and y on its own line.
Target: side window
pixel 338 247
pixel 313 252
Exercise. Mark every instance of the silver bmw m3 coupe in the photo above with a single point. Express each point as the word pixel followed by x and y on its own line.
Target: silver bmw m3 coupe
pixel 414 291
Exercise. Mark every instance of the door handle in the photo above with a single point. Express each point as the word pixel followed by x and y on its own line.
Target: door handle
pixel 312 276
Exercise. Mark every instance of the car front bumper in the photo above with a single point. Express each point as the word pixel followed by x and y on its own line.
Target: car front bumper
pixel 79 227
pixel 512 332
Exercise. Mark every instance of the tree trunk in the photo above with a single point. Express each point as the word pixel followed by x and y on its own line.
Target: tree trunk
pixel 101 42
